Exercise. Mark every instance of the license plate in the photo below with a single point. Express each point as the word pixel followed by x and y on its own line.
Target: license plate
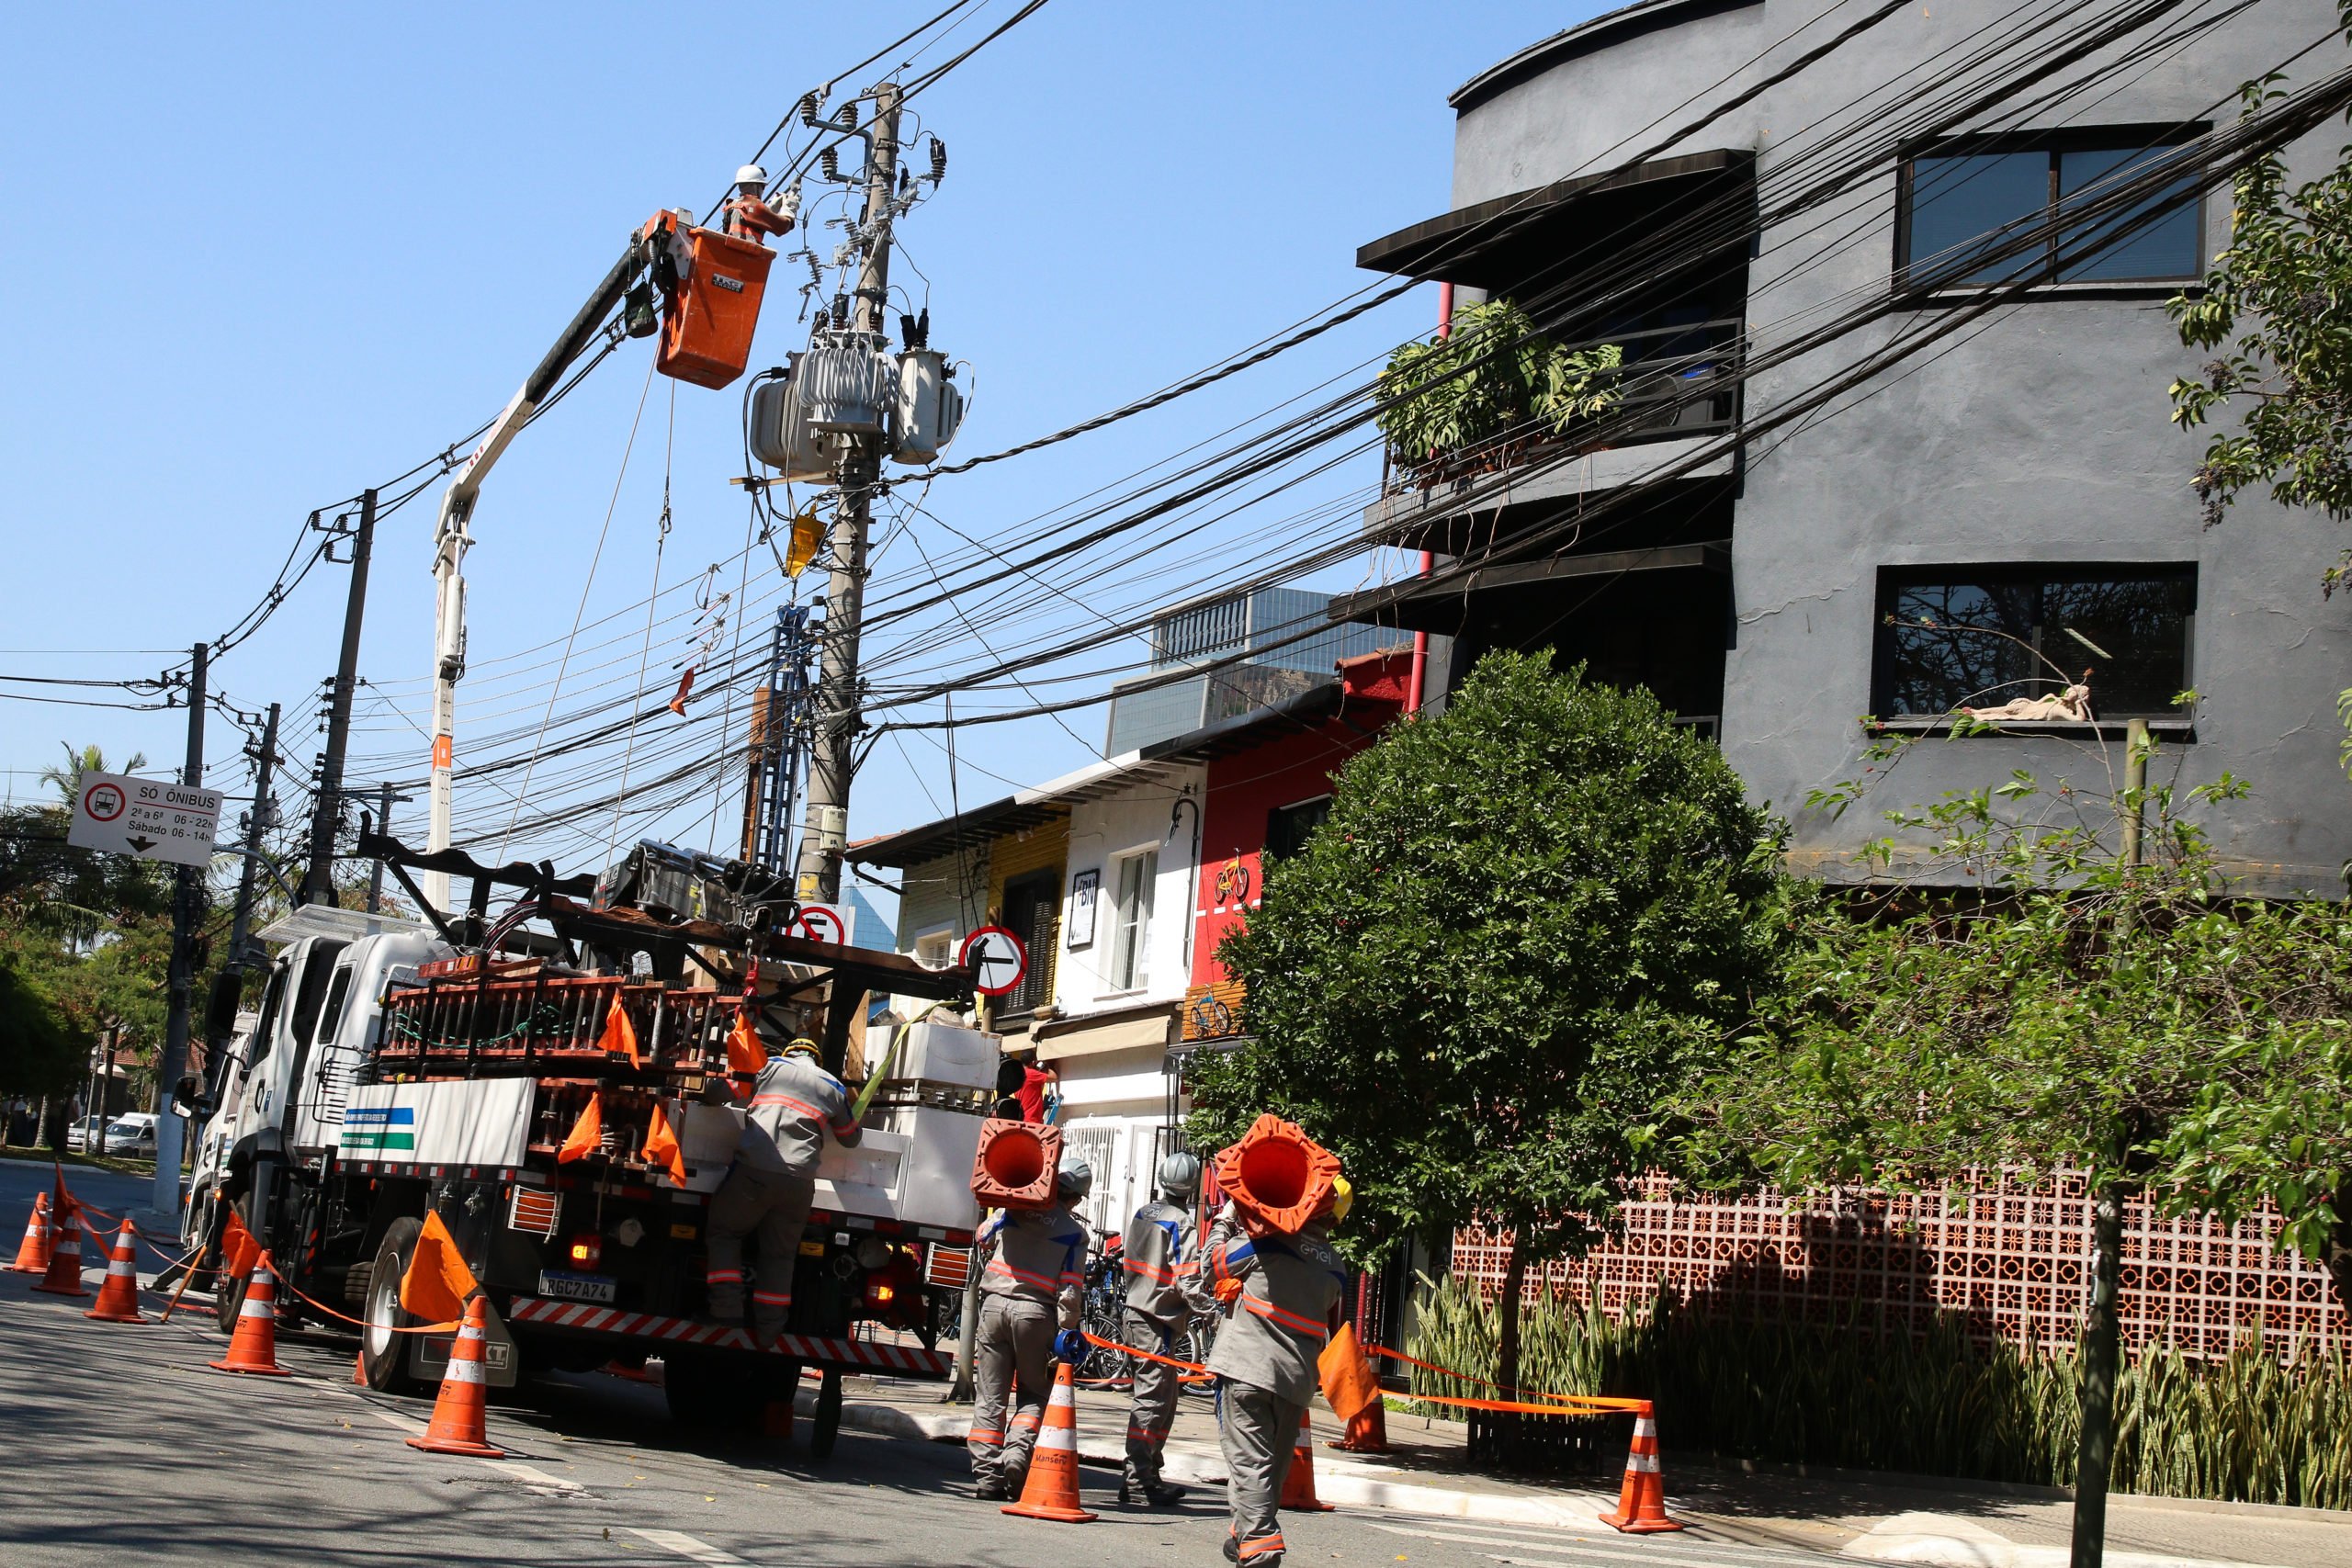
pixel 576 1287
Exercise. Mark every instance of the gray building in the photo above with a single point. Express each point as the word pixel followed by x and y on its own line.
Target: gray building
pixel 1266 646
pixel 1777 557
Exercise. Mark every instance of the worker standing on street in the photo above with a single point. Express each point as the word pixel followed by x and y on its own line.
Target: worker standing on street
pixel 1163 1275
pixel 768 1189
pixel 1036 1275
pixel 1283 1297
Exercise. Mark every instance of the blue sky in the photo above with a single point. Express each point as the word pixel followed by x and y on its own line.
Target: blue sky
pixel 266 255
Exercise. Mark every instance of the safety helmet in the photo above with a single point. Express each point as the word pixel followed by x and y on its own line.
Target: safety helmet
pixel 752 175
pixel 804 1046
pixel 1180 1174
pixel 1343 1195
pixel 1076 1179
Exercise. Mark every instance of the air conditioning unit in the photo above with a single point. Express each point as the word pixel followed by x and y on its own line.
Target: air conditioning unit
pixel 848 383
pixel 782 436
pixel 930 407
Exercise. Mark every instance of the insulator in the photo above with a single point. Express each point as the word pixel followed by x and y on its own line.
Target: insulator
pixel 808 109
pixel 938 160
pixel 846 115
pixel 829 162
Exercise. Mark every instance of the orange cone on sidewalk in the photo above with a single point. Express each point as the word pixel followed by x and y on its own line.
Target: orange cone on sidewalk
pixel 118 1295
pixel 1050 1489
pixel 1367 1431
pixel 1640 1505
pixel 32 1253
pixel 460 1411
pixel 253 1347
pixel 1299 1484
pixel 64 1275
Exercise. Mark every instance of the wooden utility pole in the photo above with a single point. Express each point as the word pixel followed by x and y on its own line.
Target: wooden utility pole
pixel 187 912
pixel 327 810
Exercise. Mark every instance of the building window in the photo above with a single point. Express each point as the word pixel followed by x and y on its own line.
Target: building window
pixel 935 950
pixel 1032 908
pixel 1981 635
pixel 1288 827
pixel 1966 199
pixel 1131 930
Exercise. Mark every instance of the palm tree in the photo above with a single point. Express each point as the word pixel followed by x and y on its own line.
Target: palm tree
pixel 67 780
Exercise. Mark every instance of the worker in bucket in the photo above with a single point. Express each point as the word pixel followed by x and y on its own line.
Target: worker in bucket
pixel 1282 1296
pixel 1035 1279
pixel 794 1103
pixel 1163 1278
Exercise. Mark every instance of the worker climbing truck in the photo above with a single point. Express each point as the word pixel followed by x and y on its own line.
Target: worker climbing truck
pixel 549 1086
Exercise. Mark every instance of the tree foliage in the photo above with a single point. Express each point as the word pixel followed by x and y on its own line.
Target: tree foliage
pixel 1493 378
pixel 1524 923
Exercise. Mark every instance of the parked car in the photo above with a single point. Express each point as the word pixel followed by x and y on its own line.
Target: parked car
pixel 132 1135
pixel 89 1130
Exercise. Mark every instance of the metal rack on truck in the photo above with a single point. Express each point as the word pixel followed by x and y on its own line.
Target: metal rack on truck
pixel 476 1066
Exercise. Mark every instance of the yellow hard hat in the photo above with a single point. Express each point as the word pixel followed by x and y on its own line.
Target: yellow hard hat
pixel 1343 1195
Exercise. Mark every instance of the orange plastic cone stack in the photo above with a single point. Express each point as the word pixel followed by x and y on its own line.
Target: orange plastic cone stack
pixel 64 1275
pixel 1641 1503
pixel 253 1347
pixel 1051 1490
pixel 1298 1485
pixel 119 1294
pixel 460 1412
pixel 32 1253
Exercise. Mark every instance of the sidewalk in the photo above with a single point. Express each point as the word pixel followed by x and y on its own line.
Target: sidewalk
pixel 1870 1517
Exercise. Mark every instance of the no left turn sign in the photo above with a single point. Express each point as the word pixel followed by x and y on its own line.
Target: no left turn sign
pixel 997 959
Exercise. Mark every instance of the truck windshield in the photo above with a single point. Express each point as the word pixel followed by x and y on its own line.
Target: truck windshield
pixel 266 1030
pixel 313 990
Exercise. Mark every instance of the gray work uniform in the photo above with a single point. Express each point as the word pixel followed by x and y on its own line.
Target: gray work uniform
pixel 1159 1258
pixel 1265 1357
pixel 1034 1280
pixel 769 1187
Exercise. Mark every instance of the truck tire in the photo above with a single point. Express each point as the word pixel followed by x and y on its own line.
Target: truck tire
pixel 383 1355
pixel 720 1393
pixel 826 1426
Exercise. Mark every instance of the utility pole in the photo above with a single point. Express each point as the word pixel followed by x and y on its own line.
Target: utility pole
pixel 326 811
pixel 383 825
pixel 186 911
pixel 257 823
pixel 859 468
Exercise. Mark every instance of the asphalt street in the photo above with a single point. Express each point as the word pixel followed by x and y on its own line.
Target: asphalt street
pixel 123 1446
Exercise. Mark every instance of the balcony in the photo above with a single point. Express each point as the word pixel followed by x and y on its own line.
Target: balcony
pixel 1675 399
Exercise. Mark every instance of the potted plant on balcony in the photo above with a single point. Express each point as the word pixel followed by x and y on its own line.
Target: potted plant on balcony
pixel 1474 401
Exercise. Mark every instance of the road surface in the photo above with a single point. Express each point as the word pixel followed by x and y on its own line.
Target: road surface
pixel 122 1447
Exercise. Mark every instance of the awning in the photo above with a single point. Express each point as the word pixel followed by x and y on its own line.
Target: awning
pixel 1404 604
pixel 1496 244
pixel 1095 1035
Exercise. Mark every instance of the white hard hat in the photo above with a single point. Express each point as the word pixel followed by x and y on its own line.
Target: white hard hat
pixel 752 175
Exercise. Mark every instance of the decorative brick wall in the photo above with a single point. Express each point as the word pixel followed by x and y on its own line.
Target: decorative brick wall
pixel 2014 1259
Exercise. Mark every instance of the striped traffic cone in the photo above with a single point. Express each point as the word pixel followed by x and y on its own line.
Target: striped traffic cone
pixel 1298 1481
pixel 1050 1489
pixel 1641 1503
pixel 460 1411
pixel 64 1275
pixel 32 1253
pixel 119 1292
pixel 253 1348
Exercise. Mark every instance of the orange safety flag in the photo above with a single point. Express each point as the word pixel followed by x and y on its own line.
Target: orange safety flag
pixel 745 1054
pixel 661 1145
pixel 240 1253
pixel 686 685
pixel 587 1133
pixel 1345 1373
pixel 437 1281
pixel 619 1035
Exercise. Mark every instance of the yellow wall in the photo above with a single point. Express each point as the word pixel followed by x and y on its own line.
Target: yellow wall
pixel 1043 848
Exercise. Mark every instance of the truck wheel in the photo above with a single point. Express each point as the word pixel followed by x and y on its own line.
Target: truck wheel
pixel 383 1355
pixel 708 1395
pixel 826 1425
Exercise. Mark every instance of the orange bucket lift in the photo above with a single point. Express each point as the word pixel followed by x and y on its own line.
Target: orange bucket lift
pixel 1016 1165
pixel 1278 1173
pixel 710 315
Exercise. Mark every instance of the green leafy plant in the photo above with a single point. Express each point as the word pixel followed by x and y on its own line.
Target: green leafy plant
pixel 1525 923
pixel 1494 382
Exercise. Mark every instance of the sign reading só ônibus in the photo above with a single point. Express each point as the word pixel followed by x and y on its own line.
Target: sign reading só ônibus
pixel 148 818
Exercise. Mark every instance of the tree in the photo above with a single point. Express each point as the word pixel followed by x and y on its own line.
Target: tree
pixel 38 1054
pixel 1525 923
pixel 2061 986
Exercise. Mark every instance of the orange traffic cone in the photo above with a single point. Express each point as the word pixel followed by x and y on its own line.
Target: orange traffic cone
pixel 1050 1489
pixel 118 1295
pixel 253 1347
pixel 64 1275
pixel 1367 1431
pixel 1641 1503
pixel 32 1253
pixel 460 1411
pixel 1299 1484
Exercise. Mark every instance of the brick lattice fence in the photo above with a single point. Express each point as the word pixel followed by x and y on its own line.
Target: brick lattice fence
pixel 2014 1259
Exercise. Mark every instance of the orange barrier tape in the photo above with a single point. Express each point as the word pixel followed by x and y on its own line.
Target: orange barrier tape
pixel 296 1292
pixel 1578 1403
pixel 1194 1371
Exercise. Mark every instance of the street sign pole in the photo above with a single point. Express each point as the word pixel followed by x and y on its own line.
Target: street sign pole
pixel 186 911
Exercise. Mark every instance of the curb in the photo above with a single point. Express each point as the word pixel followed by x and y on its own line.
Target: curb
pixel 1333 1483
pixel 1962 1543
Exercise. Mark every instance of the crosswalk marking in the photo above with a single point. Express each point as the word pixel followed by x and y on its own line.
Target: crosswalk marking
pixel 686 1545
pixel 1559 1549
